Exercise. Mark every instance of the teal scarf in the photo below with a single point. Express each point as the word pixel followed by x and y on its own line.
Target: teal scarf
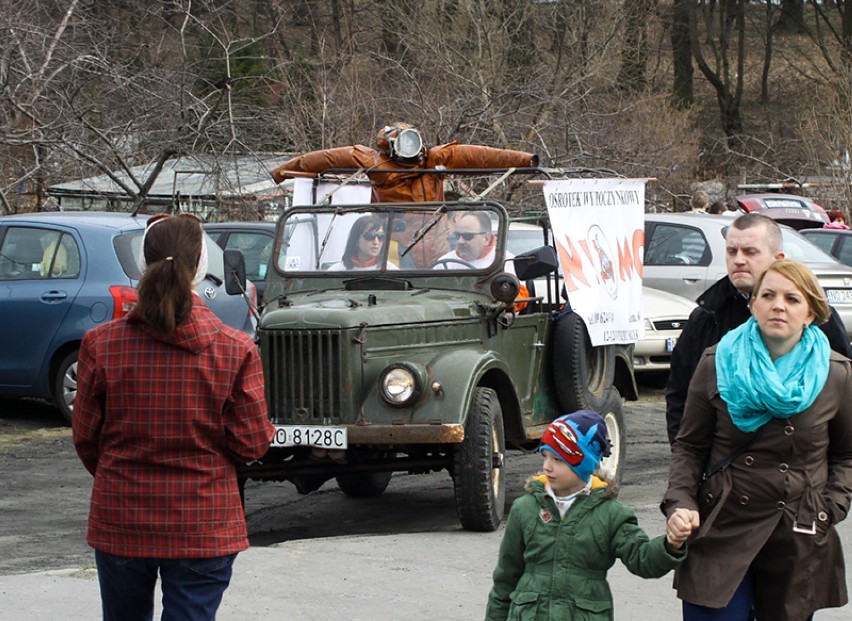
pixel 756 389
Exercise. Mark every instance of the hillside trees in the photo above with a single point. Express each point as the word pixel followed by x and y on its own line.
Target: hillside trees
pixel 92 87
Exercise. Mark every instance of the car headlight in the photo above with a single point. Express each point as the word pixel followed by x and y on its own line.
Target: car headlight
pixel 649 327
pixel 400 384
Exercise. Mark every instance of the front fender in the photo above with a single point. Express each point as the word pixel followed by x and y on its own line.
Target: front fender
pixel 450 378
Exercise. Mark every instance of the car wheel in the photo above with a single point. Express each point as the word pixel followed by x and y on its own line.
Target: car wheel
pixel 364 484
pixel 582 374
pixel 612 467
pixel 478 469
pixel 65 385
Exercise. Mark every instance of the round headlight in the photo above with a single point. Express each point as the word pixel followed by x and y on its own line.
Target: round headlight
pixel 400 385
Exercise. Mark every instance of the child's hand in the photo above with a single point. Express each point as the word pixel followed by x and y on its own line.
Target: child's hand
pixel 680 526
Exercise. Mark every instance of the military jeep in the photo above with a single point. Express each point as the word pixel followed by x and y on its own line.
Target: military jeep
pixel 420 360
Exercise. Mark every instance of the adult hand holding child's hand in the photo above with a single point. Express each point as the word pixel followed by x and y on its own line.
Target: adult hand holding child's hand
pixel 680 526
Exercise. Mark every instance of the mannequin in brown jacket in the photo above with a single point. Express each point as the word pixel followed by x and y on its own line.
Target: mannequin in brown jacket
pixel 394 169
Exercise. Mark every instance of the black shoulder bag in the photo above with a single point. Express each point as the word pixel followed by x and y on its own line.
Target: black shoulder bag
pixel 720 465
pixel 712 491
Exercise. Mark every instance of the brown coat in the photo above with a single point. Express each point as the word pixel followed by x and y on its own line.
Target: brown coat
pixel 799 470
pixel 394 182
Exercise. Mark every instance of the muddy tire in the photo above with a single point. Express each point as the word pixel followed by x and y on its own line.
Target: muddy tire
pixel 364 484
pixel 612 467
pixel 582 374
pixel 65 385
pixel 478 465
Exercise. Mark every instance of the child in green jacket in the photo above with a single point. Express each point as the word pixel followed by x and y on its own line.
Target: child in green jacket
pixel 563 535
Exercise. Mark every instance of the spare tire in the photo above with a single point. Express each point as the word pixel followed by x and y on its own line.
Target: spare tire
pixel 582 374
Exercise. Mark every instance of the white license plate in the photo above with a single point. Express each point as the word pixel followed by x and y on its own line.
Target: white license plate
pixel 839 296
pixel 670 343
pixel 323 436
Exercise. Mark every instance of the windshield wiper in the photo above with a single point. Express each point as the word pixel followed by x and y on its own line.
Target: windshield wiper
pixel 325 239
pixel 428 226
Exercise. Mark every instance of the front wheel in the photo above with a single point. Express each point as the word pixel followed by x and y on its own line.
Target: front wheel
pixel 582 374
pixel 478 468
pixel 612 467
pixel 65 385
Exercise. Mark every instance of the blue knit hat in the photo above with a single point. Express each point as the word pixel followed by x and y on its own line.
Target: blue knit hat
pixel 579 439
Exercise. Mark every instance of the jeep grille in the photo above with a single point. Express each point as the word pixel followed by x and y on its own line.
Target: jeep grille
pixel 305 365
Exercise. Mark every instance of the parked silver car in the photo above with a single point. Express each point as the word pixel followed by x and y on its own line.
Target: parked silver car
pixel 685 254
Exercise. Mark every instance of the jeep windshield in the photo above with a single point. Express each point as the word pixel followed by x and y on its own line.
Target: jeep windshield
pixel 390 238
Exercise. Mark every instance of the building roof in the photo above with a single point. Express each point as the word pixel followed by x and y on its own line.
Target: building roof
pixel 192 176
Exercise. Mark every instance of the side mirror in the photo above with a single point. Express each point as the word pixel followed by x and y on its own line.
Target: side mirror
pixel 235 271
pixel 535 263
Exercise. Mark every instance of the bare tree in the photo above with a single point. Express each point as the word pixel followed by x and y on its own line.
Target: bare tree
pixel 717 34
pixel 681 42
pixel 83 93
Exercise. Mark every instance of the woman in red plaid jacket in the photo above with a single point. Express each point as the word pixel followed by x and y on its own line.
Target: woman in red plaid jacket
pixel 169 400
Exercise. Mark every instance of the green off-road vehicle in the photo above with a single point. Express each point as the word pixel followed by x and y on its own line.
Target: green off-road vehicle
pixel 419 360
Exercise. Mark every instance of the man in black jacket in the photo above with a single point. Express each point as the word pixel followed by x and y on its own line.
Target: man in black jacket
pixel 753 241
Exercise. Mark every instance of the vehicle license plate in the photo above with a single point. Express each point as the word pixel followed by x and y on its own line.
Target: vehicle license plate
pixel 670 343
pixel 323 436
pixel 839 296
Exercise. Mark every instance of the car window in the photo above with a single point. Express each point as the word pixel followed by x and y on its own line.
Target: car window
pixel 128 246
pixel 824 242
pixel 798 248
pixel 61 260
pixel 36 253
pixel 845 254
pixel 675 245
pixel 522 240
pixel 256 249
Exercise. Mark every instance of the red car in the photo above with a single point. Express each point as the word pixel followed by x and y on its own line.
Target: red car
pixel 797 212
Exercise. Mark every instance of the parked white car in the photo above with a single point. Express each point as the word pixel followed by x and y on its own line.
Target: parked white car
pixel 666 315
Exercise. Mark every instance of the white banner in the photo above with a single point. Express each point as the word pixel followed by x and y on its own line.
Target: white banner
pixel 598 226
pixel 351 194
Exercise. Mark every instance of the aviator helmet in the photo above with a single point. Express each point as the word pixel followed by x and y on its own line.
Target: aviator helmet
pixel 402 142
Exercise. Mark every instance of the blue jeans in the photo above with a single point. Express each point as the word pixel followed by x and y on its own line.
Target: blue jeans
pixel 740 608
pixel 192 588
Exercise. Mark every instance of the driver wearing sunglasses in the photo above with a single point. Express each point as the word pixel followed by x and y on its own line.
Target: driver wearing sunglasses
pixel 474 243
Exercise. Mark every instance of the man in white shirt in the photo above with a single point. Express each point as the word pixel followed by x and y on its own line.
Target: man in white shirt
pixel 474 243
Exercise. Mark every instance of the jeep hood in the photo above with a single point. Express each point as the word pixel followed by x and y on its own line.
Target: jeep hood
pixel 349 309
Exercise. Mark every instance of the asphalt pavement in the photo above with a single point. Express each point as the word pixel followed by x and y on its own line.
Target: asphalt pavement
pixel 410 577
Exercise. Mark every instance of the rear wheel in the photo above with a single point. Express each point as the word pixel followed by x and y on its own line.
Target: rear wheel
pixel 582 374
pixel 612 467
pixel 364 484
pixel 478 469
pixel 65 385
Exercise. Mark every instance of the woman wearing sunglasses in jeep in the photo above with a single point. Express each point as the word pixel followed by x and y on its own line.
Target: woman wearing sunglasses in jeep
pixel 364 248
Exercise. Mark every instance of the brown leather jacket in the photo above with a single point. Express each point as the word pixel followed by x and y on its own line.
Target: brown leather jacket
pixel 394 182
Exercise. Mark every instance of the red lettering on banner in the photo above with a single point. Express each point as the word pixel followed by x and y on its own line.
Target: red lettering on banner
pixel 638 250
pixel 572 264
pixel 625 260
pixel 629 259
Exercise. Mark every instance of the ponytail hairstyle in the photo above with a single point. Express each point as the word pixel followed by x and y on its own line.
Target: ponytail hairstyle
pixel 172 248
